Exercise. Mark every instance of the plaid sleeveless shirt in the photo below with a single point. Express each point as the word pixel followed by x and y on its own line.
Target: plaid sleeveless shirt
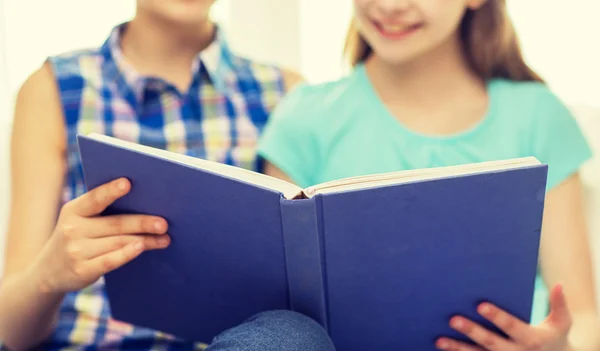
pixel 219 119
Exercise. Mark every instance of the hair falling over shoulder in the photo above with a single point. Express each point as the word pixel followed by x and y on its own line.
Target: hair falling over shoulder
pixel 489 41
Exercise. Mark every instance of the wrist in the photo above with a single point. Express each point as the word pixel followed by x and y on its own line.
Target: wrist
pixel 28 312
pixel 42 284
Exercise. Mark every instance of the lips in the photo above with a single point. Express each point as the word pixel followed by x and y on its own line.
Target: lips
pixel 397 30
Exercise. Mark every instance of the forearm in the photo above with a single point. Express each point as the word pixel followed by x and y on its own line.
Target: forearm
pixel 27 313
pixel 585 332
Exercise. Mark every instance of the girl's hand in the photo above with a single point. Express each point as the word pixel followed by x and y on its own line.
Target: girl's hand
pixel 84 246
pixel 551 335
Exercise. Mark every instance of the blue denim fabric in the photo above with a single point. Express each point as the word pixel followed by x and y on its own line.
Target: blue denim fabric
pixel 274 331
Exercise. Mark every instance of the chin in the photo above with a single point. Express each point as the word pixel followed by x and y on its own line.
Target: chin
pixel 184 19
pixel 399 55
pixel 183 13
pixel 407 52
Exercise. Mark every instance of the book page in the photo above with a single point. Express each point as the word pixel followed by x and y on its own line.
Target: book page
pixel 288 190
pixel 377 180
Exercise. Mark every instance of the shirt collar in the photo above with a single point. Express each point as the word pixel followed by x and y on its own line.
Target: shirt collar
pixel 217 60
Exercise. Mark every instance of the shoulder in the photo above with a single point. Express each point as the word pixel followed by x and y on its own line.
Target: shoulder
pixel 291 79
pixel 73 63
pixel 288 78
pixel 46 113
pixel 528 88
pixel 309 101
pixel 75 70
pixel 307 106
pixel 46 82
pixel 271 72
pixel 43 79
pixel 530 98
pixel 261 80
pixel 532 108
pixel 39 86
pixel 529 104
pixel 258 70
pixel 546 126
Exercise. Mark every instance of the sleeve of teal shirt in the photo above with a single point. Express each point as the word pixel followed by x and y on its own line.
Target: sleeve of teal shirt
pixel 558 141
pixel 289 139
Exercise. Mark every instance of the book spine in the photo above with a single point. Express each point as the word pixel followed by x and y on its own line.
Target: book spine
pixel 303 258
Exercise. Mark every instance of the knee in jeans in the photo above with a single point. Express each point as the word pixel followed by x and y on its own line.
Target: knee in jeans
pixel 288 319
pixel 301 330
pixel 274 331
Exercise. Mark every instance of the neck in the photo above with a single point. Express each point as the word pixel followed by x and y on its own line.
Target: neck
pixel 432 79
pixel 150 42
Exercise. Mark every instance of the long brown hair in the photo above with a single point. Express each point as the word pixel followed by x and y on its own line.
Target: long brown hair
pixel 489 42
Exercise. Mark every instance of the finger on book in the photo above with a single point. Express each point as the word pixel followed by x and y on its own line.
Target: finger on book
pixel 98 199
pixel 88 249
pixel 480 335
pixel 101 265
pixel 515 328
pixel 124 224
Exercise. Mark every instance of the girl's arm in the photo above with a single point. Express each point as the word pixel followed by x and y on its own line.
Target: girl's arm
pixel 291 79
pixel 50 253
pixel 566 259
pixel 37 168
pixel 273 171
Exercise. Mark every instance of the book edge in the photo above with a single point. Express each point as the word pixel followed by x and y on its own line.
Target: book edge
pixel 433 176
pixel 285 189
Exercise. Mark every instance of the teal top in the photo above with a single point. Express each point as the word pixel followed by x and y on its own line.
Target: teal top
pixel 342 129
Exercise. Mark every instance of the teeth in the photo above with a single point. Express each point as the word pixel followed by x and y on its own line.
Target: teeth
pixel 394 28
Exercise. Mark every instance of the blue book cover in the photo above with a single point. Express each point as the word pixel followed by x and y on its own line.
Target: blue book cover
pixel 381 261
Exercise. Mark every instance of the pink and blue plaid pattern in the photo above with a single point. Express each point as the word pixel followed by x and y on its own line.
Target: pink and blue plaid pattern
pixel 219 118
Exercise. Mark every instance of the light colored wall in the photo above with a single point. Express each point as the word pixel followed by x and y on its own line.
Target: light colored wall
pixel 265 30
pixel 560 40
pixel 32 33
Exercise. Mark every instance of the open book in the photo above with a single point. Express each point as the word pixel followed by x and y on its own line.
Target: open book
pixel 381 261
pixel 291 191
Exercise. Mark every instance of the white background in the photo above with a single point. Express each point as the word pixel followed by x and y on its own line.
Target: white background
pixel 560 40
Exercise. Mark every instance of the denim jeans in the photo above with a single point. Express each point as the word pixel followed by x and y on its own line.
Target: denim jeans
pixel 274 331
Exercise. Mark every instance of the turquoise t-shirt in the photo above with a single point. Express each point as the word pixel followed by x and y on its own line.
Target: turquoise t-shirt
pixel 342 129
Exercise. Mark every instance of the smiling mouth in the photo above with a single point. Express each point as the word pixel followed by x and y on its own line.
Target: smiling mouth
pixel 397 31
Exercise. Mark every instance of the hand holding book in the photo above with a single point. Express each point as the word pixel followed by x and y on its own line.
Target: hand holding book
pixel 84 245
pixel 551 335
